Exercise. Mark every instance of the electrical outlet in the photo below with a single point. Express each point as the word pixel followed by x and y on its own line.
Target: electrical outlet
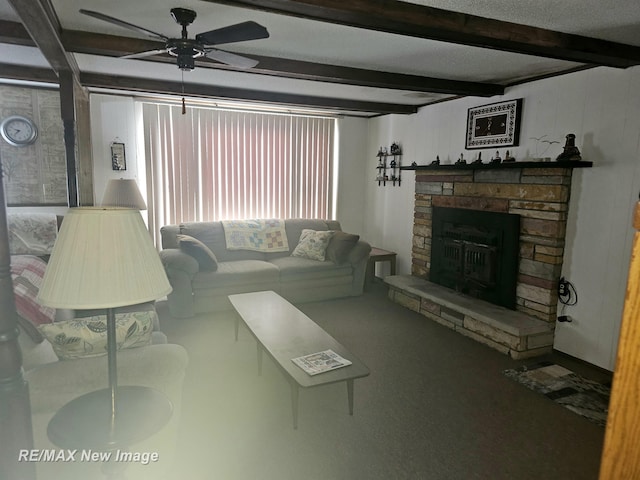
pixel 563 287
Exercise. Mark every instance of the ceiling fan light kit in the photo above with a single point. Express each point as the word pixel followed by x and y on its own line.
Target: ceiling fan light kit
pixel 186 49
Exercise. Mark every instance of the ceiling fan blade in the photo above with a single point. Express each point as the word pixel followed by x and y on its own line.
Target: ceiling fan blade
pixel 239 32
pixel 231 59
pixel 148 53
pixel 122 23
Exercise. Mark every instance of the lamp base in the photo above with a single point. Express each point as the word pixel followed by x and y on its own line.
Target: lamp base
pixel 86 422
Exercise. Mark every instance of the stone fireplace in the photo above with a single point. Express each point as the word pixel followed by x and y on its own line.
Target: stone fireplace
pixel 538 197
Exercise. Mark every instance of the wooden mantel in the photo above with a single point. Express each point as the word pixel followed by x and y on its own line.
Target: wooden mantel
pixel 488 166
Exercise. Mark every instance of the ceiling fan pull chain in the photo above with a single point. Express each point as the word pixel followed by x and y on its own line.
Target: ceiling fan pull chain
pixel 184 107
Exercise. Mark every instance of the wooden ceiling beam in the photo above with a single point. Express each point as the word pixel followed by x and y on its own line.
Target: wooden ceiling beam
pixel 115 46
pixel 96 80
pixel 409 19
pixel 40 21
pixel 28 74
pixel 111 45
pixel 92 80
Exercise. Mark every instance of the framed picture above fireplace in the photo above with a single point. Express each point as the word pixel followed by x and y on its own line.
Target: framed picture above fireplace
pixel 494 125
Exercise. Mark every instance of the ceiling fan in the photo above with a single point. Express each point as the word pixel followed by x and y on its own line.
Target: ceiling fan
pixel 186 49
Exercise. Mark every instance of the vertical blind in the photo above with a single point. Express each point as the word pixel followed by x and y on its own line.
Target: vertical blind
pixel 211 164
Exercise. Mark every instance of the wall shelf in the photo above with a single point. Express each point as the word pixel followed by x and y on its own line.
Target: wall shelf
pixel 389 166
pixel 487 166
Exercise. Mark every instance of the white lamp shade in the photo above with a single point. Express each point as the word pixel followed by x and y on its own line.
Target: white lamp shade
pixel 123 192
pixel 103 258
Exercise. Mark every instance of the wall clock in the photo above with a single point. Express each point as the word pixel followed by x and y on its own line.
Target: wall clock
pixel 18 131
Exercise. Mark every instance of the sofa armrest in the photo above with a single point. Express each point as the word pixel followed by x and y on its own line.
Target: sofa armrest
pixel 358 258
pixel 54 384
pixel 359 252
pixel 175 259
pixel 180 269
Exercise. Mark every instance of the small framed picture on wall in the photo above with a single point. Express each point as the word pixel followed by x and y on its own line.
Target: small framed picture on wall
pixel 118 159
pixel 494 125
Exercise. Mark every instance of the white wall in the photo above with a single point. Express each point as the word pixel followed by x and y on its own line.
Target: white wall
pixel 113 120
pixel 352 166
pixel 601 107
pixel 389 209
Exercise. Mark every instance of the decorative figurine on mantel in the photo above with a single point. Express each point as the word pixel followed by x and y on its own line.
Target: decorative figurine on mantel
pixel 478 160
pixel 436 161
pixel 570 152
pixel 461 161
pixel 414 164
pixel 497 158
pixel 508 157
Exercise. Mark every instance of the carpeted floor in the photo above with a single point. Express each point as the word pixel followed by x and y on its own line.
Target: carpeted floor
pixel 436 406
pixel 583 396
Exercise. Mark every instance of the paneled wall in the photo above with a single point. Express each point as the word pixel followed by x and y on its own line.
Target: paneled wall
pixel 601 107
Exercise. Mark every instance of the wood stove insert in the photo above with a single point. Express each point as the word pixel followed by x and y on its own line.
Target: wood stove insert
pixel 476 253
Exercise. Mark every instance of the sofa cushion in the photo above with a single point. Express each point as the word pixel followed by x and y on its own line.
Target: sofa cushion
pixel 340 245
pixel 26 274
pixel 313 244
pixel 149 307
pixel 207 260
pixel 304 269
pixel 238 272
pixel 32 233
pixel 294 227
pixel 87 337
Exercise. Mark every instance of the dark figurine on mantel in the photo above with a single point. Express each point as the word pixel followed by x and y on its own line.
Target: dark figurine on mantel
pixel 570 152
pixel 508 157
pixel 497 158
pixel 461 161
pixel 479 159
pixel 436 161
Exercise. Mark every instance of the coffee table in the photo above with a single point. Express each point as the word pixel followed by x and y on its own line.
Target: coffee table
pixel 284 332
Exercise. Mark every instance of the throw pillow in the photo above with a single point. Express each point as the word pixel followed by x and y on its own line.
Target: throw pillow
pixel 27 272
pixel 87 337
pixel 198 250
pixel 313 244
pixel 340 246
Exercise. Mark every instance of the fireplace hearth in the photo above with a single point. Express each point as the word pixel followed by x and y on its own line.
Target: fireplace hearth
pixel 476 253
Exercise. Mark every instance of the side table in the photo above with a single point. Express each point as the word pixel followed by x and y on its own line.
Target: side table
pixel 379 255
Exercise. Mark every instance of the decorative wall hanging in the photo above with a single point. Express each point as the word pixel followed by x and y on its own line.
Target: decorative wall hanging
pixel 118 159
pixel 494 125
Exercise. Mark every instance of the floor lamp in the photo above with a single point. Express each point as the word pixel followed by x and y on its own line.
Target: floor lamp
pixel 103 259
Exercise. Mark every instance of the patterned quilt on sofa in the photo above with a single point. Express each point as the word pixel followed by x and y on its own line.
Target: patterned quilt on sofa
pixel 258 235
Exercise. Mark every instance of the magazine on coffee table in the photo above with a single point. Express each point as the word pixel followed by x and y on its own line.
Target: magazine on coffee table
pixel 320 362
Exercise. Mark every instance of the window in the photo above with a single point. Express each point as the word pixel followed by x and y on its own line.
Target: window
pixel 213 164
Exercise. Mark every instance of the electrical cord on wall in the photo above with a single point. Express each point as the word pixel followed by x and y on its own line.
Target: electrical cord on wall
pixel 567 293
pixel 568 296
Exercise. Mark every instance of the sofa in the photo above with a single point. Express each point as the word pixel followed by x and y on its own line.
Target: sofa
pixel 297 277
pixel 53 382
pixel 63 357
